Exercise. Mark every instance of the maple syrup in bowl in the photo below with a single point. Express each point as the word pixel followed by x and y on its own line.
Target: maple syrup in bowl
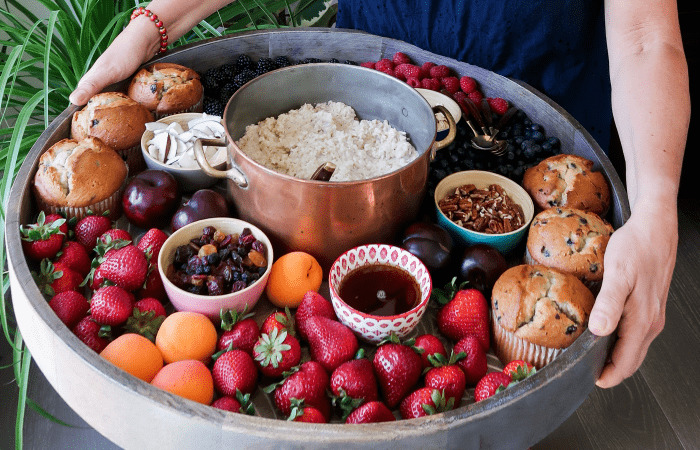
pixel 379 289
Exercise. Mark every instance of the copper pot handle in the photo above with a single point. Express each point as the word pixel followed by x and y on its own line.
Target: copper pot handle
pixel 451 134
pixel 234 174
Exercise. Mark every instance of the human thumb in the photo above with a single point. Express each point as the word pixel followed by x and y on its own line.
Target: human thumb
pixel 84 91
pixel 609 304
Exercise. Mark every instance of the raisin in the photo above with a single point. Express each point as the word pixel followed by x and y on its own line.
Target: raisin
pixel 571 329
pixel 582 221
pixel 557 316
pixel 95 122
pixel 154 88
pixel 569 241
pixel 593 268
pixel 545 252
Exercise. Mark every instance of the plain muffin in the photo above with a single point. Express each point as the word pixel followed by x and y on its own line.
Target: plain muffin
pixel 537 312
pixel 166 89
pixel 568 181
pixel 76 176
pixel 570 240
pixel 118 121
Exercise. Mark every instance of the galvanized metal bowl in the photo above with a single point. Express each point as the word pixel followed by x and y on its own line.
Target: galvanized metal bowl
pixel 130 412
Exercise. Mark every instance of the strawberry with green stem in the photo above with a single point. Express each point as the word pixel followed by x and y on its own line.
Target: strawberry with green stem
pixel 279 320
pixel 491 384
pixel 518 370
pixel 146 318
pixel 240 404
pixel 371 412
pixel 302 413
pixel 354 383
pixel 276 353
pixel 240 330
pixel 90 228
pixel 308 381
pixel 424 402
pixel 55 278
pixel 398 367
pixel 464 312
pixel 475 363
pixel 234 371
pixel 43 239
pixel 446 376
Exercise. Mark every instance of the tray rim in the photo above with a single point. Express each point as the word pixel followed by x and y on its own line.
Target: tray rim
pixel 319 434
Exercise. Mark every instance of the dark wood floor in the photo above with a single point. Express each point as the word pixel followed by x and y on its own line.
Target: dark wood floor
pixel 656 408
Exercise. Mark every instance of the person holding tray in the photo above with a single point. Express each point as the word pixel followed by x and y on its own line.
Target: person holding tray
pixel 596 59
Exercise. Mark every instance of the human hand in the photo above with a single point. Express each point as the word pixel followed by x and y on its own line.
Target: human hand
pixel 639 263
pixel 136 44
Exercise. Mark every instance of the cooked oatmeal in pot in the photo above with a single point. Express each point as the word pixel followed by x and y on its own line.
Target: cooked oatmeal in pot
pixel 296 143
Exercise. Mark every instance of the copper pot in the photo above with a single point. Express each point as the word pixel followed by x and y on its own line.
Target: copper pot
pixel 319 217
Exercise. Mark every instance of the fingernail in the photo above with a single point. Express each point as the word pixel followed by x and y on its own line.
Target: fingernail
pixel 76 97
pixel 597 323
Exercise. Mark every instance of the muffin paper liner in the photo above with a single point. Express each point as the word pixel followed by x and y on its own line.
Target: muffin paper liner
pixel 197 107
pixel 508 347
pixel 133 158
pixel 112 203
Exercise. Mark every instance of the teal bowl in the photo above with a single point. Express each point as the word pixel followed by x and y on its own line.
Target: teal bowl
pixel 504 242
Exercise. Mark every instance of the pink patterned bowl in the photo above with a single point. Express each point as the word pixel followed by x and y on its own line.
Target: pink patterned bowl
pixel 369 327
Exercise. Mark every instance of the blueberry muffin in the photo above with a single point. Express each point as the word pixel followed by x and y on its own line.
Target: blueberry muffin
pixel 75 177
pixel 116 120
pixel 166 89
pixel 568 181
pixel 570 240
pixel 537 312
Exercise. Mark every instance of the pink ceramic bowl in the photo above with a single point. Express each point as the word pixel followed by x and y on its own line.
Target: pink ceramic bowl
pixel 211 305
pixel 369 327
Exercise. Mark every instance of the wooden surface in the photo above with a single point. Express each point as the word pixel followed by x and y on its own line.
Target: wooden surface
pixel 654 409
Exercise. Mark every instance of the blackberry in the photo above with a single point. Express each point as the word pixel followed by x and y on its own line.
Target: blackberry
pixel 310 61
pixel 244 77
pixel 265 65
pixel 214 106
pixel 227 91
pixel 282 61
pixel 334 61
pixel 351 62
pixel 213 79
pixel 243 62
pixel 229 71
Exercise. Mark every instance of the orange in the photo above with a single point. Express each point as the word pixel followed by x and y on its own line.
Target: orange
pixel 188 378
pixel 186 335
pixel 291 276
pixel 134 354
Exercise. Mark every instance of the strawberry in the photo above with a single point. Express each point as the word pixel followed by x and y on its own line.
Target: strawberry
pixel 498 105
pixel 368 64
pixel 234 371
pixel 75 257
pixel 240 331
pixel 70 307
pixel 152 242
pixel 447 377
pixel 475 96
pixel 430 83
pixel 451 84
pixel 279 320
pixel 90 332
pixel 439 72
pixel 89 229
pixel 491 383
pixel 518 370
pixel 114 234
pixel 474 365
pixel 126 267
pixel 331 343
pixel 371 412
pixel 277 352
pixel 62 226
pixel 423 402
pixel 307 382
pixel 42 239
pixel 384 64
pixel 398 368
pixel 431 346
pixel 400 58
pixel 464 312
pixel 53 279
pixel 240 404
pixel 312 304
pixel 468 84
pixel 111 305
pixel 146 318
pixel 353 383
pixel 97 279
pixel 302 413
pixel 153 286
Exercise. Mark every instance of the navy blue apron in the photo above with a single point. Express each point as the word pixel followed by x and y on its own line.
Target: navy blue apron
pixel 557 47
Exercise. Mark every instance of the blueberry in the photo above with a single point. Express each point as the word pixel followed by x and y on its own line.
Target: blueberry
pixel 554 142
pixel 529 153
pixel 527 134
pixel 516 130
pixel 518 140
pixel 547 147
pixel 454 157
pixel 537 136
pixel 527 143
pixel 440 173
pixel 527 122
pixel 537 149
pixel 510 156
pixel 536 127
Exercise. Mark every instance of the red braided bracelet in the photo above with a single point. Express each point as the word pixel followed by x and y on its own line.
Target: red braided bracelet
pixel 158 23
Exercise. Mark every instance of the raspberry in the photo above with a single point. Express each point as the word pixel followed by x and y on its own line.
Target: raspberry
pixel 408 70
pixel 413 82
pixel 451 84
pixel 439 72
pixel 425 69
pixel 475 96
pixel 389 72
pixel 401 58
pixel 459 96
pixel 468 84
pixel 384 64
pixel 430 83
pixel 368 64
pixel 498 105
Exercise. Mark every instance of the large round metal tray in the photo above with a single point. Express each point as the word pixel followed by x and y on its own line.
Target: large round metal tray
pixel 133 414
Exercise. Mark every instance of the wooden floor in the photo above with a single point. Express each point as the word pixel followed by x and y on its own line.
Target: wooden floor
pixel 657 408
